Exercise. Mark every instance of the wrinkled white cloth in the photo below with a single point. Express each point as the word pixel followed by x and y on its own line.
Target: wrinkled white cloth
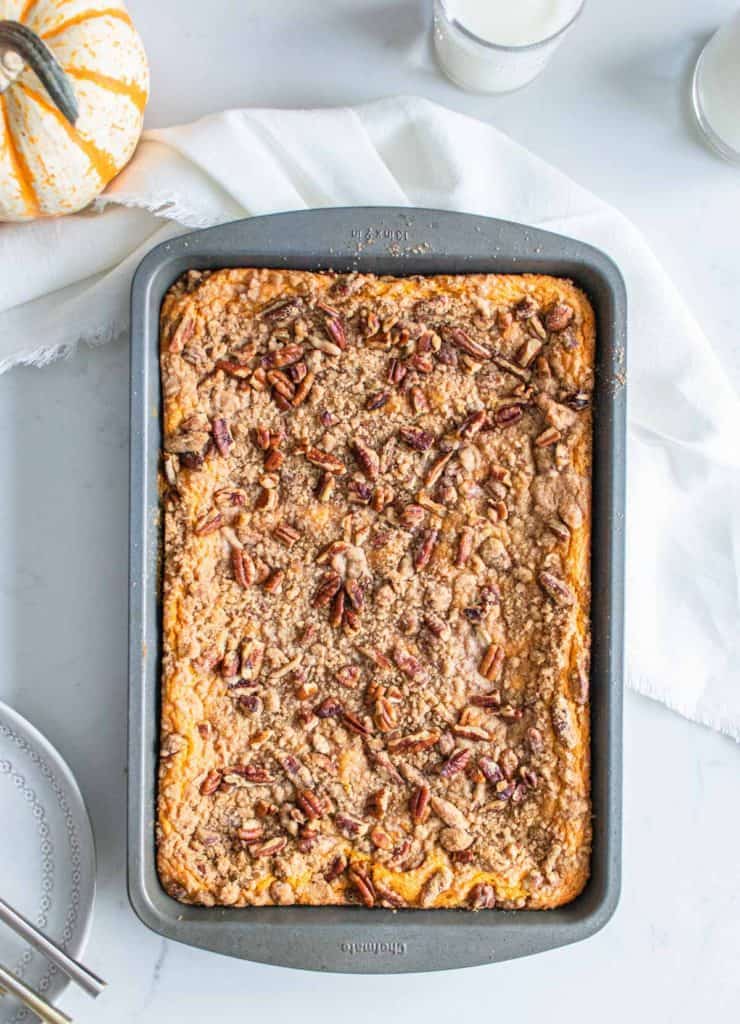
pixel 67 280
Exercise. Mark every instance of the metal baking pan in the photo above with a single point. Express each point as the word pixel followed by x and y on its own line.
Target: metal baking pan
pixel 382 241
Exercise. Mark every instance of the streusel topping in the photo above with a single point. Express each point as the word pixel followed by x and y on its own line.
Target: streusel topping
pixel 376 500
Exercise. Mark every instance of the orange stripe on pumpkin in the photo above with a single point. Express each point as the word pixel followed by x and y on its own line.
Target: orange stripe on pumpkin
pixel 26 12
pixel 134 92
pixel 79 19
pixel 21 170
pixel 102 162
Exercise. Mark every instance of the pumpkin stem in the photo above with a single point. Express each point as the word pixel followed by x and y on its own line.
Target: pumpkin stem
pixel 19 39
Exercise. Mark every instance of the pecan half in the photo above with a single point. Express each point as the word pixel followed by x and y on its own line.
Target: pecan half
pixel 286 534
pixel 457 762
pixel 367 459
pixel 325 461
pixel 377 401
pixel 363 884
pixel 482 897
pixel 221 436
pixel 310 803
pixel 329 708
pixel 457 337
pixel 414 742
pixel 337 867
pixel 242 567
pixel 211 782
pixel 329 586
pixel 556 589
pixel 425 550
pixel 355 724
pixel 419 440
pixel 270 847
pixel 208 523
pixel 492 662
pixel 419 804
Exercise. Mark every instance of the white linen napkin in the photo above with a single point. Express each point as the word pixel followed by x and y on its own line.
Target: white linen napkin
pixel 683 592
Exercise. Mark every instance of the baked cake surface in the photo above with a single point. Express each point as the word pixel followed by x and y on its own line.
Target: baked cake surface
pixel 376 497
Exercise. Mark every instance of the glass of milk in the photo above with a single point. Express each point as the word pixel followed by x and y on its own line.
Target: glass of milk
pixel 499 45
pixel 716 90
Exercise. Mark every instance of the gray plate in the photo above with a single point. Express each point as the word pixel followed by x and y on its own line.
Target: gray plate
pixel 382 241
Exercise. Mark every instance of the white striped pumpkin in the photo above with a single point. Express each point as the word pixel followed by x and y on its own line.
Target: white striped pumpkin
pixel 48 165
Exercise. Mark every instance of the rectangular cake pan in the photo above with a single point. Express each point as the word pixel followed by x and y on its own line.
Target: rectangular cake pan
pixel 396 241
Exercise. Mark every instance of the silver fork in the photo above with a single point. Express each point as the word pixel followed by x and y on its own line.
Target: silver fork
pixel 31 999
pixel 90 982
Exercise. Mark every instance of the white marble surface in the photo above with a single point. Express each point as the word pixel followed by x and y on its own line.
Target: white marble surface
pixel 612 111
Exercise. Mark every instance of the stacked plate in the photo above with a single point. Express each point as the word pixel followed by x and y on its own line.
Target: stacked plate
pixel 47 858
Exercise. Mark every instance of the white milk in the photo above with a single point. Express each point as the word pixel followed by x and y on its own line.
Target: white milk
pixel 717 89
pixel 527 26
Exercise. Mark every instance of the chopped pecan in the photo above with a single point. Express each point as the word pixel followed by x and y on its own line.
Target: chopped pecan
pixel 274 581
pixel 528 352
pixel 211 782
pixel 337 867
pixel 409 664
pixel 482 897
pixel 578 401
pixel 414 742
pixel 487 700
pixel 411 516
pixel 356 724
pixel 230 664
pixel 457 337
pixel 563 722
pixel 455 763
pixel 280 357
pixel 330 708
pixel 282 385
pixel 303 389
pixel 280 309
pixel 385 715
pixel 548 436
pixel 396 371
pixel 426 547
pixel 490 769
pixel 492 662
pixel 436 469
pixel 251 833
pixel 525 308
pixel 558 316
pixel 221 436
pixel 354 594
pixel 286 534
pixel 464 546
pixel 556 589
pixel 472 424
pixel 269 848
pixel 507 415
pixel 377 401
pixel 252 658
pixel 348 676
pixel 336 613
pixel 325 461
pixel 419 440
pixel 208 523
pixel 190 460
pixel 350 825
pixel 418 399
pixel 471 732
